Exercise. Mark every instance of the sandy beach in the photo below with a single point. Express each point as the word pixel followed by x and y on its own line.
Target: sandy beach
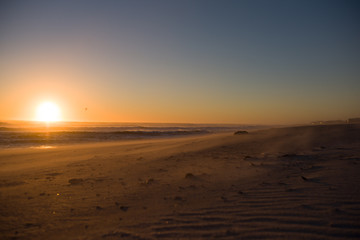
pixel 285 183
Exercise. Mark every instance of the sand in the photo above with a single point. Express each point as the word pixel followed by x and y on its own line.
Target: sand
pixel 288 183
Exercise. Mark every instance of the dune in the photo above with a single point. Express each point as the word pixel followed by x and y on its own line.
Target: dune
pixel 285 183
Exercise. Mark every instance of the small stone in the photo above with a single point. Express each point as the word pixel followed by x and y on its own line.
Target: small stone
pixel 189 176
pixel 124 208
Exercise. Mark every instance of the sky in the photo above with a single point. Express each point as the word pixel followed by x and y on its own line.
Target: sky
pixel 253 62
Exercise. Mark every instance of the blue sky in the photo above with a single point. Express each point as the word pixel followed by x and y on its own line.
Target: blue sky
pixel 183 61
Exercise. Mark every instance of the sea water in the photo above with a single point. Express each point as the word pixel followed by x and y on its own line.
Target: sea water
pixel 47 135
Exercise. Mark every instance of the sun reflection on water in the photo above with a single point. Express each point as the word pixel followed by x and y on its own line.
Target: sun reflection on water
pixel 44 147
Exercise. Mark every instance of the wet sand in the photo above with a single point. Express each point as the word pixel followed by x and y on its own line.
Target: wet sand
pixel 288 183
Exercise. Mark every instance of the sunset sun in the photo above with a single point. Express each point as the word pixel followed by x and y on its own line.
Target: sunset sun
pixel 48 112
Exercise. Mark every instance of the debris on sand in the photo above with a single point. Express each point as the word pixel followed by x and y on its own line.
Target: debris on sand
pixel 190 176
pixel 304 178
pixel 224 198
pixel 149 181
pixel 124 208
pixel 240 132
pixel 178 198
pixel 289 155
pixel 76 181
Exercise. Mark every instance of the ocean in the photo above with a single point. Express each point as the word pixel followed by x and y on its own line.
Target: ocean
pixel 39 134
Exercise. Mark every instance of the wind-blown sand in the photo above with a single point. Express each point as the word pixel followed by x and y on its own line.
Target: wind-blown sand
pixel 291 183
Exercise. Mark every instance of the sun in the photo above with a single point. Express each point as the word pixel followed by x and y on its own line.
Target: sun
pixel 48 112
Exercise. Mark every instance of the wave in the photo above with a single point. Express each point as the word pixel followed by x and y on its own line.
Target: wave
pixel 16 138
pixel 22 133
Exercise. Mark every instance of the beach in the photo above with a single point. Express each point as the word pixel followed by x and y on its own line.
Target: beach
pixel 282 183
